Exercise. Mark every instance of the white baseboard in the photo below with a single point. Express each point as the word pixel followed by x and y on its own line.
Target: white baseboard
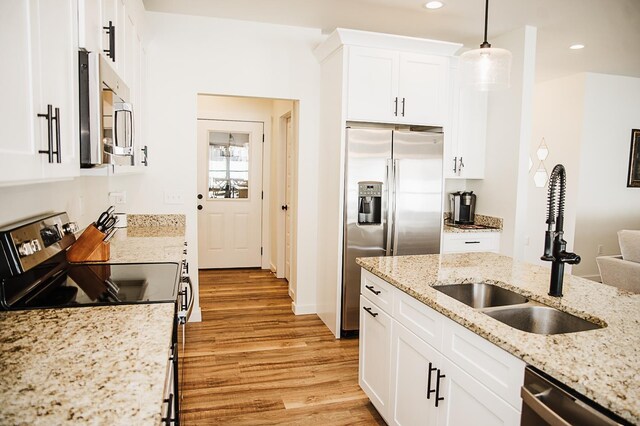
pixel 196 315
pixel 303 309
pixel 272 267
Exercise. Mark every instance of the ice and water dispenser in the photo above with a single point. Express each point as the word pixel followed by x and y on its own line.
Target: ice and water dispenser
pixel 369 203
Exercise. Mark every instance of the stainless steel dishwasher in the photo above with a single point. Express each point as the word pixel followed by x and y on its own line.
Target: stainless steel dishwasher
pixel 546 402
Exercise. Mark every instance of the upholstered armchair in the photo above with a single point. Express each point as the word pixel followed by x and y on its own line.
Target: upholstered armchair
pixel 623 271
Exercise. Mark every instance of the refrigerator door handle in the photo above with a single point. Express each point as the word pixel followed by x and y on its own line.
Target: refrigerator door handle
pixel 390 207
pixel 396 178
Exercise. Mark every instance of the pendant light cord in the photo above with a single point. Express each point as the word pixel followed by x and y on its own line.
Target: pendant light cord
pixel 485 43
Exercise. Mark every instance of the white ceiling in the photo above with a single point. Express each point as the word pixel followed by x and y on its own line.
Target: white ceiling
pixel 610 29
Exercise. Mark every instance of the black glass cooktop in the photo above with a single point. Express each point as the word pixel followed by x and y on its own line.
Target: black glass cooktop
pixel 69 285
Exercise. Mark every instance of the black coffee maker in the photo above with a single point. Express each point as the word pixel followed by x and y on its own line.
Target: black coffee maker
pixel 463 207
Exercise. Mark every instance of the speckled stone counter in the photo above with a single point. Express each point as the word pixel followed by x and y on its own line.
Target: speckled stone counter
pixel 93 365
pixel 602 364
pixel 495 224
pixel 148 244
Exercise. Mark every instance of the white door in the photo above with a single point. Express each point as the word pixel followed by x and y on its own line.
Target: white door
pixel 373 85
pixel 375 347
pixel 19 158
pixel 229 193
pixel 57 68
pixel 414 375
pixel 467 402
pixel 287 201
pixel 422 89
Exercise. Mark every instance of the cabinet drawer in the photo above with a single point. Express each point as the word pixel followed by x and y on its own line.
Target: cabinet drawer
pixel 498 370
pixel 422 320
pixel 377 290
pixel 469 241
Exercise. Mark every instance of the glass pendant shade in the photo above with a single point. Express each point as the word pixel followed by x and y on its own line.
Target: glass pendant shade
pixel 487 68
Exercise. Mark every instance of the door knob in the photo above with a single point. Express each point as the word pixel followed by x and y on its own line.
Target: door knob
pixel 199 196
pixel 199 207
pixel 285 207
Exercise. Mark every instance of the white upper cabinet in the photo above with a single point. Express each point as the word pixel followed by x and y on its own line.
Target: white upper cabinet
pixel 41 83
pixel 90 25
pixel 422 89
pixel 373 85
pixel 396 87
pixel 465 145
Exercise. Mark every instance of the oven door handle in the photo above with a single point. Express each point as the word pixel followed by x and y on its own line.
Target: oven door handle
pixel 186 299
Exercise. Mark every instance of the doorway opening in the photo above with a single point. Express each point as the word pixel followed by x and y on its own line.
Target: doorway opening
pixel 246 171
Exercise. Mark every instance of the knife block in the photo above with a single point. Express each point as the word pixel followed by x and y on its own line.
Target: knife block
pixel 89 247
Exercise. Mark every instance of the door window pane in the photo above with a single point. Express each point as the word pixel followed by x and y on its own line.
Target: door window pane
pixel 228 165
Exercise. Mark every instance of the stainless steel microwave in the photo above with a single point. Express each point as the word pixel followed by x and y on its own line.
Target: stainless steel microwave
pixel 106 116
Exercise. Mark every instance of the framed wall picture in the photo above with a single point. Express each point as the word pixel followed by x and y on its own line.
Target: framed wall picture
pixel 634 160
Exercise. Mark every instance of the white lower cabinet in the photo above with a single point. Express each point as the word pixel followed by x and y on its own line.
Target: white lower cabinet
pixel 419 367
pixel 467 402
pixel 413 379
pixel 464 242
pixel 375 348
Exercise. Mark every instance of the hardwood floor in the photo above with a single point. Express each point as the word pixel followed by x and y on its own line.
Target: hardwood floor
pixel 252 361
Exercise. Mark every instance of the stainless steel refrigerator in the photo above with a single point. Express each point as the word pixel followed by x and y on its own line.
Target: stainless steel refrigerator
pixel 393 202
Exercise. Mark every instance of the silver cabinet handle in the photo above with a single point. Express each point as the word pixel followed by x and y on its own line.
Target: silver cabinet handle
pixel 472 242
pixel 372 289
pixel 455 164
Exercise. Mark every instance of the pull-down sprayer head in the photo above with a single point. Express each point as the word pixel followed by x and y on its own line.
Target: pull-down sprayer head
pixel 554 243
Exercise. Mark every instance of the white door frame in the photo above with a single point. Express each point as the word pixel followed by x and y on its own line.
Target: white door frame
pixel 258 246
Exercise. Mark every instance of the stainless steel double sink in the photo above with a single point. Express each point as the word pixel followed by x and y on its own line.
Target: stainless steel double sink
pixel 516 310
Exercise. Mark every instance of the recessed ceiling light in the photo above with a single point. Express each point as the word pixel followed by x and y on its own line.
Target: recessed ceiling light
pixel 434 5
pixel 576 46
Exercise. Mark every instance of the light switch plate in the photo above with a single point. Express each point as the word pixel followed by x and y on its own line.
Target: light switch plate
pixel 173 197
pixel 118 197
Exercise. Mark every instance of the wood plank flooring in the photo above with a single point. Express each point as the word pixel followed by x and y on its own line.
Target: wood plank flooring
pixel 252 361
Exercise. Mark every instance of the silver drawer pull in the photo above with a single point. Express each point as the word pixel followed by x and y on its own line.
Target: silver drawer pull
pixel 472 242
pixel 372 289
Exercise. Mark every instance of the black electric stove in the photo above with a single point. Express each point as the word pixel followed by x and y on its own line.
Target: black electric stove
pixel 34 272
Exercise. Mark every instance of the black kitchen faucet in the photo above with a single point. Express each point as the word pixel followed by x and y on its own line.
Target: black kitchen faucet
pixel 554 245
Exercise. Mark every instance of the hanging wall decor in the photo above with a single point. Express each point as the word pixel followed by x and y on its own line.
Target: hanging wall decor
pixel 633 179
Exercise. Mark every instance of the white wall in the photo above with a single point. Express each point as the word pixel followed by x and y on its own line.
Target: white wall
pixel 586 120
pixel 558 118
pixel 503 192
pixel 605 204
pixel 83 199
pixel 188 55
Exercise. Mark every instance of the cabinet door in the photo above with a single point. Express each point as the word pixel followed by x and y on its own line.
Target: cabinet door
pixel 467 402
pixel 423 88
pixel 465 149
pixel 375 347
pixel 56 71
pixel 372 85
pixel 110 14
pixel 412 403
pixel 19 158
pixel 472 132
pixel 90 25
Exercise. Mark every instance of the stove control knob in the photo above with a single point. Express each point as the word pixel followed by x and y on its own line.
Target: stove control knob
pixel 25 248
pixel 35 246
pixel 70 228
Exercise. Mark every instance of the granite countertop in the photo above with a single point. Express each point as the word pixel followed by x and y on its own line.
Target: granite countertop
pixel 154 244
pixel 92 365
pixel 602 364
pixel 494 224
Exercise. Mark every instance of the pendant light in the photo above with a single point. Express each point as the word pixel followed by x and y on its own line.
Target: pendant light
pixel 487 68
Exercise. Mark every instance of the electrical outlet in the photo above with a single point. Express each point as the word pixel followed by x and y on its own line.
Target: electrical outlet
pixel 118 197
pixel 600 249
pixel 173 197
